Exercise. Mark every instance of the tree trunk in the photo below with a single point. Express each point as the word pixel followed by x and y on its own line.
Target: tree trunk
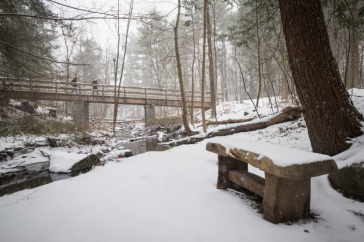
pixel 193 67
pixel 203 67
pixel 282 72
pixel 361 67
pixel 122 65
pixel 259 59
pixel 179 69
pixel 215 55
pixel 116 71
pixel 329 113
pixel 211 65
pixel 223 67
pixel 353 74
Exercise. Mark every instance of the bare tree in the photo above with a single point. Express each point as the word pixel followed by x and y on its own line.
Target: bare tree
pixel 179 69
pixel 117 90
pixel 211 65
pixel 204 66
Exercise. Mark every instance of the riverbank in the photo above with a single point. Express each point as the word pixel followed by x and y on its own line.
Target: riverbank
pixel 172 196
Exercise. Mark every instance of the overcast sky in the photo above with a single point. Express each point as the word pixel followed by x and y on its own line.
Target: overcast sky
pixel 104 31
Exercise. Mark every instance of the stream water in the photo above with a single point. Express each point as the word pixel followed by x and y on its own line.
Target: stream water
pixel 38 174
pixel 142 146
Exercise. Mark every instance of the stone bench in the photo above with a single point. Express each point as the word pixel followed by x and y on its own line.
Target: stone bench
pixel 286 189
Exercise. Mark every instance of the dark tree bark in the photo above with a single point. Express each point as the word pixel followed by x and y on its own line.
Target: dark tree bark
pixel 328 110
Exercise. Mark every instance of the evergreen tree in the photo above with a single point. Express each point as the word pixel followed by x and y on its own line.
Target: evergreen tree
pixel 154 47
pixel 26 39
pixel 89 53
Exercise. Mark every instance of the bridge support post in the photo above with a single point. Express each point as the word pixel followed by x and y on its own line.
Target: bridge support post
pixel 81 113
pixel 149 110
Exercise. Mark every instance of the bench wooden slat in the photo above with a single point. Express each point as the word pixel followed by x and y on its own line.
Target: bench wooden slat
pixel 216 148
pixel 295 172
pixel 248 180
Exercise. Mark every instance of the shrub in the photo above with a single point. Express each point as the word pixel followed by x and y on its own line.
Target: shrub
pixel 167 121
pixel 36 126
pixel 350 180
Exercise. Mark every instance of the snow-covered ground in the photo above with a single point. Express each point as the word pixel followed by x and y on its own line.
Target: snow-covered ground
pixel 172 196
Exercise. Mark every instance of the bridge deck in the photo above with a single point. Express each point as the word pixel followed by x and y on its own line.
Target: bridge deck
pixel 61 91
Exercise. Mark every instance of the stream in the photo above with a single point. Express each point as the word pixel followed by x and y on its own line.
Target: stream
pixel 38 174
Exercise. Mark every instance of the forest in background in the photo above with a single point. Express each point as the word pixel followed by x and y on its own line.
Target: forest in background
pixel 245 48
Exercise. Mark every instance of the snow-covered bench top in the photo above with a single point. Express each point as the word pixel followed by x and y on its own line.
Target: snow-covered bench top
pixel 276 160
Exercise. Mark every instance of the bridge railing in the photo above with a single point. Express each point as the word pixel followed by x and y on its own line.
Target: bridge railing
pixel 104 90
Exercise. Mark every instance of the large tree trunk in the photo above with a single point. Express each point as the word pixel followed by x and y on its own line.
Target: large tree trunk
pixel 179 69
pixel 329 113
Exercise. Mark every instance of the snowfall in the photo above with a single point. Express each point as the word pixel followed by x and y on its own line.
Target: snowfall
pixel 172 195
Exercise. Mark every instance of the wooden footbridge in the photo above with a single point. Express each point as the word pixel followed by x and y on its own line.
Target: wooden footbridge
pixel 62 91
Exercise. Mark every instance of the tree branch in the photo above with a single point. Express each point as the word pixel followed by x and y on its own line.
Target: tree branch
pixel 43 58
pixel 63 19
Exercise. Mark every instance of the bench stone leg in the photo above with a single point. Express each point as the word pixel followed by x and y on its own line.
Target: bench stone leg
pixel 226 164
pixel 286 199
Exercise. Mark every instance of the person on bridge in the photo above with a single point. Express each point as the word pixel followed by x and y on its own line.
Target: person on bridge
pixel 95 87
pixel 74 85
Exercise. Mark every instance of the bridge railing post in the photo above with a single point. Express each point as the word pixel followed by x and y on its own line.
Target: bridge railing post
pixel 31 86
pixel 103 91
pixel 166 96
pixel 145 95
pixel 124 95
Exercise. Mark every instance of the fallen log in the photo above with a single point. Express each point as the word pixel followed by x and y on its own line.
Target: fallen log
pixel 287 114
pixel 229 121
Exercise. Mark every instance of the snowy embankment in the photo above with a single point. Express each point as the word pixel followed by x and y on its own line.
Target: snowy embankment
pixel 172 196
pixel 61 159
